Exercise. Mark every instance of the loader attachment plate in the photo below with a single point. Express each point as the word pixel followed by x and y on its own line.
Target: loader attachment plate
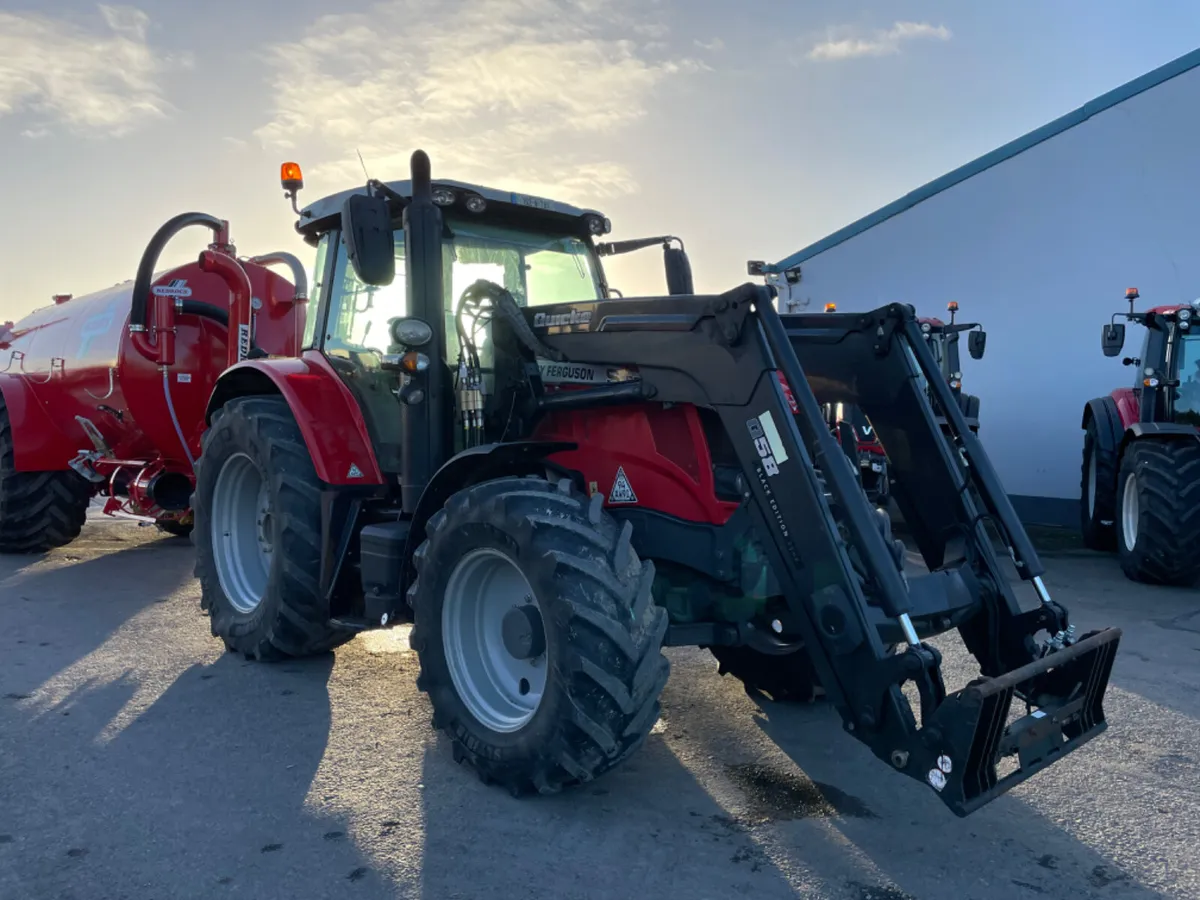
pixel 970 734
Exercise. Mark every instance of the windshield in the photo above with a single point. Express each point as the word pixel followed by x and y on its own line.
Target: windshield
pixel 537 269
pixel 1187 400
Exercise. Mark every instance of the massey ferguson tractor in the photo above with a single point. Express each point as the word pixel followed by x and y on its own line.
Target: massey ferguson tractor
pixel 468 432
pixel 106 394
pixel 1140 485
pixel 554 486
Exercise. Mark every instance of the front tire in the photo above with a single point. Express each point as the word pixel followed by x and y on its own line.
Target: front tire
pixel 1158 512
pixel 1098 493
pixel 39 511
pixel 539 644
pixel 257 534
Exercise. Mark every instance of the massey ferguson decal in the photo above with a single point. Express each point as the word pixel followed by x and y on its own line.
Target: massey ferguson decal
pixel 557 320
pixel 583 373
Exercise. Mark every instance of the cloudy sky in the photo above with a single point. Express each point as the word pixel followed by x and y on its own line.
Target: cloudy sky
pixel 748 127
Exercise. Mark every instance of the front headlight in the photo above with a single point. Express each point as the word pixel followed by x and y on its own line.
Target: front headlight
pixel 411 332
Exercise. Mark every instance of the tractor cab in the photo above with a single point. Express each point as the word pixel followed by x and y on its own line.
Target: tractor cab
pixel 943 340
pixel 381 319
pixel 1166 384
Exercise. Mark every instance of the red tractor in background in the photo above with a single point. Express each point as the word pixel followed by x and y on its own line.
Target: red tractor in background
pixel 943 340
pixel 106 393
pixel 1140 485
pixel 858 438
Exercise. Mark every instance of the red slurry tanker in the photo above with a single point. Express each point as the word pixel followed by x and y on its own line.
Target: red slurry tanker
pixel 106 393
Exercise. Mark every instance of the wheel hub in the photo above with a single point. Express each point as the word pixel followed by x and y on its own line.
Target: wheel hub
pixel 494 638
pixel 523 632
pixel 242 532
pixel 1129 512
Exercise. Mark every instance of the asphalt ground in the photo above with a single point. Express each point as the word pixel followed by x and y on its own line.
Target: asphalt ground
pixel 138 760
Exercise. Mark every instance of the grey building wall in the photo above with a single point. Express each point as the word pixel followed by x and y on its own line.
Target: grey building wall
pixel 1038 241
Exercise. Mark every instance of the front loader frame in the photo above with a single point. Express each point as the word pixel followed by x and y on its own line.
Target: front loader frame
pixel 735 354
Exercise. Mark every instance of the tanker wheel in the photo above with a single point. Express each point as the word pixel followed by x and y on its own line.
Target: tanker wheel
pixel 1098 493
pixel 1158 511
pixel 257 534
pixel 175 529
pixel 538 641
pixel 38 510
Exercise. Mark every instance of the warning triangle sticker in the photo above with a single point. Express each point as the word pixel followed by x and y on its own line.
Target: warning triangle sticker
pixel 355 472
pixel 622 491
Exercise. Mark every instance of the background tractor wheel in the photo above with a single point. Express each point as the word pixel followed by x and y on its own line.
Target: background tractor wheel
pixel 1158 512
pixel 38 510
pixel 791 677
pixel 788 678
pixel 1098 494
pixel 257 535
pixel 539 644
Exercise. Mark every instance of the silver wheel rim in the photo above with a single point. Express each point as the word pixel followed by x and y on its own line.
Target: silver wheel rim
pixel 499 689
pixel 242 532
pixel 1129 511
pixel 1091 491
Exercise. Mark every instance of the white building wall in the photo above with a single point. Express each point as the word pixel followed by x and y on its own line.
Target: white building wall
pixel 1040 249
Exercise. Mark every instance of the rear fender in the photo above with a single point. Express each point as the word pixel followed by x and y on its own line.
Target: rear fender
pixel 39 445
pixel 472 466
pixel 328 415
pixel 1163 431
pixel 1109 429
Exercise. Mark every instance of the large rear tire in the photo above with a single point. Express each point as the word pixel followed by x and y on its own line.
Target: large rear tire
pixel 1158 511
pixel 39 511
pixel 257 534
pixel 539 643
pixel 1098 493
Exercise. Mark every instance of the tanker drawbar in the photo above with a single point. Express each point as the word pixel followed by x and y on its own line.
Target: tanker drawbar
pixel 106 394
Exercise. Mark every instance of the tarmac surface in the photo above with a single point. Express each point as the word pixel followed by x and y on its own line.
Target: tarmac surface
pixel 138 760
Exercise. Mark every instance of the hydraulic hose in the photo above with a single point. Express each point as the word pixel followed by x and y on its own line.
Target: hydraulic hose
pixel 204 310
pixel 140 305
pixel 299 276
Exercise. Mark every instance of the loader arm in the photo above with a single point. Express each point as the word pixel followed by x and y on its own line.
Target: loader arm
pixel 734 354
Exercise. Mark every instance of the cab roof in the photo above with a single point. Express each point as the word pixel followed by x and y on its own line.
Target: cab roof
pixel 319 214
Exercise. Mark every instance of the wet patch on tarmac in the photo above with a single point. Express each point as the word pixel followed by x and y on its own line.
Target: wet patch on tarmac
pixel 775 796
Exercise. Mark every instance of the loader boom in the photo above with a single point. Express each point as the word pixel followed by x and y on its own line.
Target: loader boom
pixel 733 353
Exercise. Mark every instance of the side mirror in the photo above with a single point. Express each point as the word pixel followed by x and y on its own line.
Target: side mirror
pixel 976 342
pixel 679 271
pixel 367 234
pixel 1112 339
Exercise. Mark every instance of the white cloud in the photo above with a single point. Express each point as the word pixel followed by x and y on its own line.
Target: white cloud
pixel 512 93
pixel 881 43
pixel 93 81
pixel 712 46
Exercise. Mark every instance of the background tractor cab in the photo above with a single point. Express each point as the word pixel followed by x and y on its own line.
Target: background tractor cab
pixel 943 341
pixel 1140 487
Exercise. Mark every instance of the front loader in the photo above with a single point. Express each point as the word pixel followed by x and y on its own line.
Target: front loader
pixel 554 486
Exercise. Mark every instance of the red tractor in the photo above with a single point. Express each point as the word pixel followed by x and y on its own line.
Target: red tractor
pixel 943 339
pixel 554 486
pixel 106 393
pixel 1140 486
